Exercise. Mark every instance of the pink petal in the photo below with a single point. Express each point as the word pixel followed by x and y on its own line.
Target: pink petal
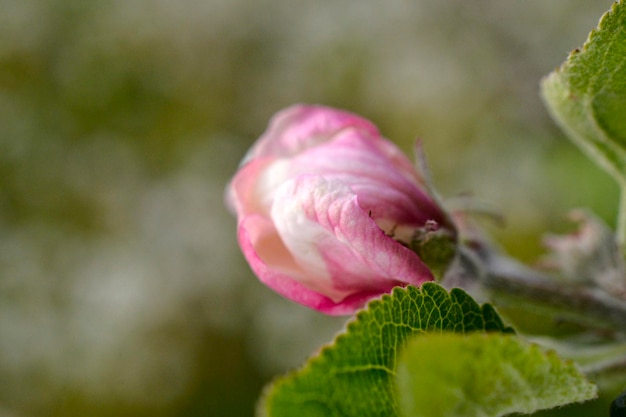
pixel 321 222
pixel 252 231
pixel 243 194
pixel 300 127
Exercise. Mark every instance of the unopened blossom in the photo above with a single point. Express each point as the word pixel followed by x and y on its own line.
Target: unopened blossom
pixel 329 211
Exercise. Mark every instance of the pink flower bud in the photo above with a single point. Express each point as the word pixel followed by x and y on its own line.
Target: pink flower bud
pixel 328 210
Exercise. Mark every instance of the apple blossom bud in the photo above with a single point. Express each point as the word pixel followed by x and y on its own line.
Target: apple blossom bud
pixel 331 214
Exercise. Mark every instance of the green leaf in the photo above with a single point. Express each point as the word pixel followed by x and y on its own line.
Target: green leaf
pixel 587 94
pixel 484 375
pixel 355 376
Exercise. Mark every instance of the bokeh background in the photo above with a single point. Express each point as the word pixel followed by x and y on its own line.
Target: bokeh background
pixel 122 289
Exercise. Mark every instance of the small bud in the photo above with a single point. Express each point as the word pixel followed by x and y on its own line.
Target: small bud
pixel 589 256
pixel 435 246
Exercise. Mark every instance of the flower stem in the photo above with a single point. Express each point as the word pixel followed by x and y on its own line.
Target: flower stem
pixel 509 281
pixel 493 277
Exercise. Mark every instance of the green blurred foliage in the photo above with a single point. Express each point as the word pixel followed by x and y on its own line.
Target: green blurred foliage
pixel 122 290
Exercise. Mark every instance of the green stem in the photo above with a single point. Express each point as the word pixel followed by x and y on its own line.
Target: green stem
pixel 587 307
pixel 508 282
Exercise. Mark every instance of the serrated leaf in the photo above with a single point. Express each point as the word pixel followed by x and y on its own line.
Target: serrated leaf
pixel 484 375
pixel 587 94
pixel 355 376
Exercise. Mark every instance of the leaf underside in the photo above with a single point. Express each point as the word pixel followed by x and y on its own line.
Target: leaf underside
pixel 587 94
pixel 484 375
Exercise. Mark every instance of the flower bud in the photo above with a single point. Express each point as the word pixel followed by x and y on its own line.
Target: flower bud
pixel 330 212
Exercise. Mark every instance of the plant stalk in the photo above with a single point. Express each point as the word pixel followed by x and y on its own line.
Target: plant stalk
pixel 588 306
pixel 505 281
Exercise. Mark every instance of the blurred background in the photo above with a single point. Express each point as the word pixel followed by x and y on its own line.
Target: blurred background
pixel 122 289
